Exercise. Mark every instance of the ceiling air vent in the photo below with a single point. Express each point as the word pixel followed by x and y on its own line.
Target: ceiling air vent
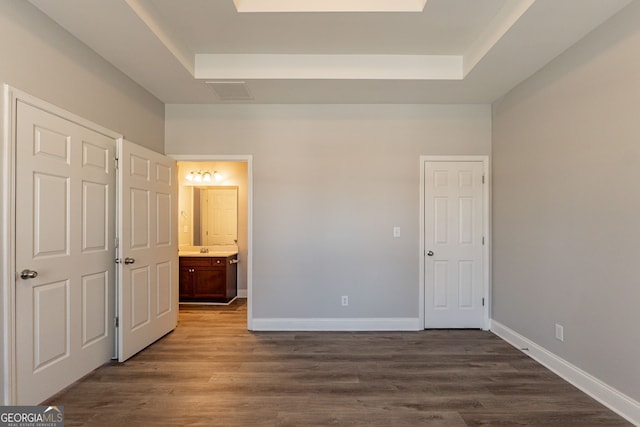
pixel 231 91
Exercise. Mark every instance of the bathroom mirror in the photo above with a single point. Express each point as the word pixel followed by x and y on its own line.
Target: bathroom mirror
pixel 215 216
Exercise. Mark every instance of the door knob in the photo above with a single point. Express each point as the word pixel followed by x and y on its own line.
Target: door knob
pixel 28 274
pixel 430 253
pixel 129 260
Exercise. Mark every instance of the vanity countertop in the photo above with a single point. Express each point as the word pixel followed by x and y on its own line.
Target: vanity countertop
pixel 207 254
pixel 213 251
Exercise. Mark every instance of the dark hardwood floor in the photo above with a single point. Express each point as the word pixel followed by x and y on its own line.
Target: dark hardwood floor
pixel 212 371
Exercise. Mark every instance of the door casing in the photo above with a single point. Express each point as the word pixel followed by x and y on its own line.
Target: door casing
pixel 247 158
pixel 486 254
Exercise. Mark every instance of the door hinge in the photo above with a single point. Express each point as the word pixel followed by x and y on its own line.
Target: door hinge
pixel 483 179
pixel 483 302
pixel 116 322
pixel 116 242
pixel 115 163
pixel 483 240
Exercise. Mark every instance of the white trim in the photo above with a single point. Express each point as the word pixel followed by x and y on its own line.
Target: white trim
pixel 7 250
pixel 338 324
pixel 613 399
pixel 486 249
pixel 62 113
pixel 242 293
pixel 248 158
pixel 11 96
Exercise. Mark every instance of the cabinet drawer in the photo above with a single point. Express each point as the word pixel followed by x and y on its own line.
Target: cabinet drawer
pixel 218 262
pixel 195 261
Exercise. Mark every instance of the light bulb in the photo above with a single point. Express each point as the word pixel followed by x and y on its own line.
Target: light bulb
pixel 190 176
pixel 217 176
pixel 206 177
pixel 198 177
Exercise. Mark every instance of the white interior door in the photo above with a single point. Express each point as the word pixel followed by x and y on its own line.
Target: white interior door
pixel 65 245
pixel 148 250
pixel 454 265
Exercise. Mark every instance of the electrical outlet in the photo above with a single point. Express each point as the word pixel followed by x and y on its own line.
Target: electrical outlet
pixel 396 232
pixel 559 332
pixel 345 300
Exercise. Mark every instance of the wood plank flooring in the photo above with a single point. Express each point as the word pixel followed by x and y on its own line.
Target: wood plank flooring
pixel 211 371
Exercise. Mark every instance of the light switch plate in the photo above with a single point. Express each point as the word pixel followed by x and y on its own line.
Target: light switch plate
pixel 396 231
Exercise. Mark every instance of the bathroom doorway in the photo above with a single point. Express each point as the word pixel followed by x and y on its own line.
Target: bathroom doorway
pixel 196 175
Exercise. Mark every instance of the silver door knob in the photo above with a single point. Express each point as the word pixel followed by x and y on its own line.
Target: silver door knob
pixel 129 260
pixel 430 253
pixel 28 274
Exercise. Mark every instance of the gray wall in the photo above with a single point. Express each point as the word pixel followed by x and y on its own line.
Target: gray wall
pixel 566 204
pixel 330 182
pixel 40 58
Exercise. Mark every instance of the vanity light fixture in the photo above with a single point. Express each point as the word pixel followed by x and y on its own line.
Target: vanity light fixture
pixel 203 176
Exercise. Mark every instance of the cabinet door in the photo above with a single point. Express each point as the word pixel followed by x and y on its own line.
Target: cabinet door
pixel 209 282
pixel 186 287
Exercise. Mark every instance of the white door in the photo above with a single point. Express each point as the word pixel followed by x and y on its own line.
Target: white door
pixel 454 276
pixel 65 245
pixel 148 249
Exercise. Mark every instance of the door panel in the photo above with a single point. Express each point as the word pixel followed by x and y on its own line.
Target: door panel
pixel 95 314
pixel 148 270
pixel 95 214
pixel 65 230
pixel 163 291
pixel 454 286
pixel 51 326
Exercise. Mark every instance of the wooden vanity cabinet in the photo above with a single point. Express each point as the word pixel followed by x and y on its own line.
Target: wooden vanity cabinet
pixel 208 279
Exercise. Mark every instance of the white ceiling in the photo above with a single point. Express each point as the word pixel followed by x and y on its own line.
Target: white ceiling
pixel 453 51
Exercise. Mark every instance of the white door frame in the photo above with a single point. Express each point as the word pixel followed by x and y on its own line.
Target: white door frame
pixel 486 231
pixel 248 158
pixel 8 225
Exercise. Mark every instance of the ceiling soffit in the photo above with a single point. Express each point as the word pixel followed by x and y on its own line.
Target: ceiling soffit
pixel 455 51
pixel 330 67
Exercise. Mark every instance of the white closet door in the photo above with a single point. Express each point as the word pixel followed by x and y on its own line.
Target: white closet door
pixel 148 248
pixel 454 285
pixel 65 247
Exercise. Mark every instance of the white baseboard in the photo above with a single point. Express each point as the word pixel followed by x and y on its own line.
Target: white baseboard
pixel 242 293
pixel 337 324
pixel 618 402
